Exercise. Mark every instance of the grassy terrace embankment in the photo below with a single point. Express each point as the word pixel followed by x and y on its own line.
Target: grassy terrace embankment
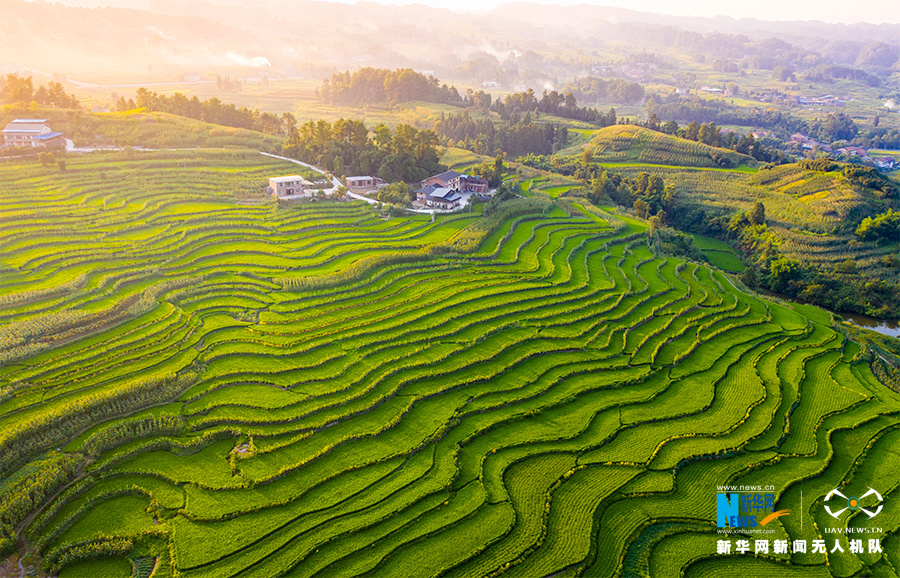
pixel 558 401
pixel 633 144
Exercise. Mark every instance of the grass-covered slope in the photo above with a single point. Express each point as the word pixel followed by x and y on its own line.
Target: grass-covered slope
pixel 633 144
pixel 558 402
pixel 141 129
pixel 817 214
pixel 811 218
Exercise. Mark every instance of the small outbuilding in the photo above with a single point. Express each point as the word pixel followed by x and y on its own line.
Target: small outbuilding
pixel 289 186
pixel 365 182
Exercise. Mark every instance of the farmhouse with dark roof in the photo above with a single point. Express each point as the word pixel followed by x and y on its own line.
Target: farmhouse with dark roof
pixel 438 197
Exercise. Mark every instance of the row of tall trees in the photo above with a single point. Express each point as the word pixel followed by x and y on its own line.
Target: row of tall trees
pixel 553 102
pixel 404 154
pixel 483 136
pixel 593 89
pixel 211 110
pixel 17 89
pixel 380 86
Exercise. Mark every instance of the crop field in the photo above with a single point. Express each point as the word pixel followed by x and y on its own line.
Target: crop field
pixel 146 130
pixel 461 159
pixel 197 385
pixel 719 253
pixel 805 209
pixel 632 144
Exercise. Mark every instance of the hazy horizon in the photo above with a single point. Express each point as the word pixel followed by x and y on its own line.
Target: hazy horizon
pixel 877 11
pixel 516 45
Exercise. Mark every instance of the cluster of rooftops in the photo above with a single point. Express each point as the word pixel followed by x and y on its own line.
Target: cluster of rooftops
pixel 446 190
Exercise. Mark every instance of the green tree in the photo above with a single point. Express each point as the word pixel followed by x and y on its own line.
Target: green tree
pixel 781 272
pixel 395 194
pixel 670 127
pixel 692 131
pixel 16 89
pixel 499 168
pixel 587 157
pixel 758 215
pixel 641 208
pixel 883 227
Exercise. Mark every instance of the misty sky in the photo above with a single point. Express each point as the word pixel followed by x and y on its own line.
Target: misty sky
pixel 833 11
pixel 875 11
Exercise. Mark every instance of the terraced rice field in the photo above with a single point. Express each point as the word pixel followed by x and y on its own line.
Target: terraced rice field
pixel 807 224
pixel 632 144
pixel 557 402
pixel 719 253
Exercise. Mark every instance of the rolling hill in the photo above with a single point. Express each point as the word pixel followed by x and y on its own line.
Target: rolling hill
pixel 633 144
pixel 139 128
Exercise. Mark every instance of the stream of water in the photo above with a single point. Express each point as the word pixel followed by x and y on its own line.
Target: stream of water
pixel 885 327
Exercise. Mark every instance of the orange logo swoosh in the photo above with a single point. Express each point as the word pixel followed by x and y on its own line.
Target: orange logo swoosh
pixel 774 515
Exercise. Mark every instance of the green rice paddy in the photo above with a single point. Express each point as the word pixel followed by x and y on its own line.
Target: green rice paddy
pixel 719 253
pixel 558 402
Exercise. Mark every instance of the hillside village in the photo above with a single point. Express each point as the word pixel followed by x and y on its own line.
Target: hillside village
pixel 446 191
pixel 803 143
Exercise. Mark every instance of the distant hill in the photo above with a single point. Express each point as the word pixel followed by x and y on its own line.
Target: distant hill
pixel 633 144
pixel 142 129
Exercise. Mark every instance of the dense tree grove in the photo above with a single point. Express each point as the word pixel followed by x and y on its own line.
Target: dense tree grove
pixel 882 228
pixel 228 84
pixel 833 127
pixel 404 154
pixel 879 138
pixel 492 171
pixel 871 178
pixel 395 194
pixel 518 103
pixel 684 108
pixel 592 89
pixel 16 89
pixel 211 110
pixel 830 73
pixel 377 85
pixel 485 137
